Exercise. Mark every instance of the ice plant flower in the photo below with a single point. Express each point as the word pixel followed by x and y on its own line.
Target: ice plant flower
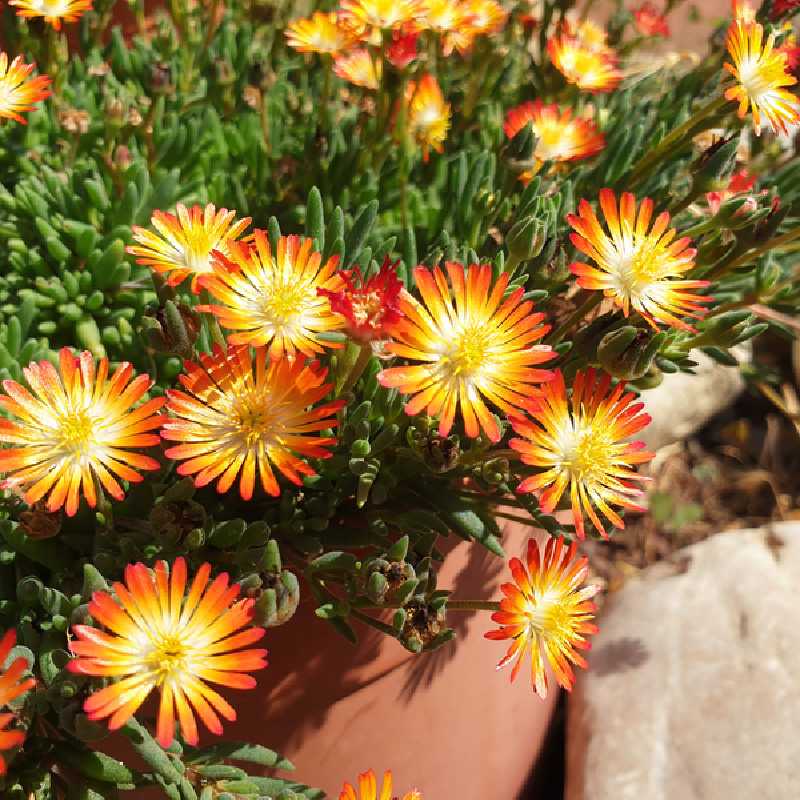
pixel 761 76
pixel 17 93
pixel 368 788
pixel 322 33
pixel 382 14
pixel 74 428
pixel 584 64
pixel 583 445
pixel 54 12
pixel 559 135
pixel 449 19
pixel 359 68
pixel 237 414
pixel 781 7
pixel 650 21
pixel 403 49
pixel 739 183
pixel 370 305
pixel 486 17
pixel 547 610
pixel 428 114
pixel 636 265
pixel 473 344
pixel 184 241
pixel 11 687
pixel 743 11
pixel 160 636
pixel 271 298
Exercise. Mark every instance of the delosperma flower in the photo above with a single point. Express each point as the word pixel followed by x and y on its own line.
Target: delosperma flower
pixel 761 76
pixel 382 14
pixel 582 446
pixel 183 242
pixel 559 136
pixel 323 33
pixel 470 344
pixel 359 68
pixel 156 635
pixel 368 788
pixel 54 12
pixel 583 63
pixel 18 92
pixel 638 266
pixel 428 114
pixel 370 305
pixel 76 429
pixel 548 611
pixel 270 298
pixel 240 415
pixel 11 687
pixel 650 21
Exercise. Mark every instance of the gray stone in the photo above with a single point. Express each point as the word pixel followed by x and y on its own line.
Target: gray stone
pixel 693 687
pixel 682 403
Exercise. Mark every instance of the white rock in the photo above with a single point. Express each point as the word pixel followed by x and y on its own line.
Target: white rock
pixel 682 403
pixel 693 687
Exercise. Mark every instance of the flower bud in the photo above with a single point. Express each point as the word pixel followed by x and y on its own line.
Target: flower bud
pixel 628 352
pixel 713 167
pixel 525 241
pixel 277 600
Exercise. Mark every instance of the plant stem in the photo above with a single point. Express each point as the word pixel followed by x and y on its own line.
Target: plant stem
pixel 592 300
pixel 673 140
pixel 755 252
pixel 357 370
pixel 374 623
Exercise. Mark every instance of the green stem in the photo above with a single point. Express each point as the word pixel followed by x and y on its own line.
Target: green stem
pixel 374 623
pixel 673 140
pixel 357 370
pixel 749 255
pixel 591 302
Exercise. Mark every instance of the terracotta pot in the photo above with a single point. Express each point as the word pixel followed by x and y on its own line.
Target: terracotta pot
pixel 446 723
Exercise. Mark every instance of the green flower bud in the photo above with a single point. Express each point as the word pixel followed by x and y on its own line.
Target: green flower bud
pixel 525 241
pixel 377 587
pixel 628 352
pixel 710 172
pixel 277 600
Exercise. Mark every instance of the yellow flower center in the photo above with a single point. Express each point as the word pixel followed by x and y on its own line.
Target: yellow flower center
pixel 76 432
pixel 585 451
pixel 367 308
pixel 754 78
pixel 55 8
pixel 468 356
pixel 167 657
pixel 285 305
pixel 253 418
pixel 548 613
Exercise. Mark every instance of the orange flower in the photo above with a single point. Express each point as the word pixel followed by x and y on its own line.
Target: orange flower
pixel 585 449
pixel 428 114
pixel 187 241
pixel 240 414
pixel 17 93
pixel 54 11
pixel 11 687
pixel 321 33
pixel 548 611
pixel 162 637
pixel 370 305
pixel 739 183
pixel 76 429
pixel 743 11
pixel 559 136
pixel 474 345
pixel 636 265
pixel 761 75
pixel 382 14
pixel 359 68
pixel 271 299
pixel 585 62
pixel 650 21
pixel 368 788
pixel 450 19
pixel 486 17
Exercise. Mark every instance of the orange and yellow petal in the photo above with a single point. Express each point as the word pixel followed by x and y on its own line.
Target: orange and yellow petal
pixel 428 114
pixel 547 611
pixel 18 92
pixel 583 63
pixel 54 12
pixel 636 264
pixel 157 634
pixel 581 445
pixel 323 33
pixel 182 244
pixel 11 687
pixel 359 68
pixel 650 21
pixel 761 75
pixel 559 135
pixel 381 14
pixel 468 348
pixel 369 788
pixel 244 416
pixel 76 430
pixel 271 299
